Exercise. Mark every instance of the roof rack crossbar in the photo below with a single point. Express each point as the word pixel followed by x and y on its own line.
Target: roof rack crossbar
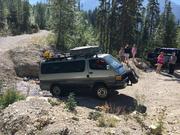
pixel 72 56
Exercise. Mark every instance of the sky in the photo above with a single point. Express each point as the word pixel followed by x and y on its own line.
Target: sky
pixel 35 1
pixel 176 1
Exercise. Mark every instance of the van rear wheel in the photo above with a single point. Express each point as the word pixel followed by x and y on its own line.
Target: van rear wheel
pixel 56 91
pixel 101 92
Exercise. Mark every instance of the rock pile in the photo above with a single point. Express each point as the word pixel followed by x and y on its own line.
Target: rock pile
pixel 26 117
pixel 6 68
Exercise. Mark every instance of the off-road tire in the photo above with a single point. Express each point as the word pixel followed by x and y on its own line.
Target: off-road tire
pixel 56 91
pixel 101 92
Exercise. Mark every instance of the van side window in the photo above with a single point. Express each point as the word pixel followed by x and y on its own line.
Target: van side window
pixel 63 67
pixel 97 64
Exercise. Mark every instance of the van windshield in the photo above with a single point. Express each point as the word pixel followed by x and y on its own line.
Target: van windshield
pixel 113 62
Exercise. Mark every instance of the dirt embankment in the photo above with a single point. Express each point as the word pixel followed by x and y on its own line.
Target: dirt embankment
pixel 19 53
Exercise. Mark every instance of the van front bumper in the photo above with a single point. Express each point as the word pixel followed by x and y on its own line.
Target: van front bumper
pixel 120 84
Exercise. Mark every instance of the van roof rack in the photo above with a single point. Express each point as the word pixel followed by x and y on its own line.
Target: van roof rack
pixel 78 52
pixel 71 56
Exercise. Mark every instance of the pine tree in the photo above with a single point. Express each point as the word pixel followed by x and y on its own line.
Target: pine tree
pixel 170 26
pixel 159 35
pixel 128 21
pixel 102 18
pixel 12 18
pixel 2 19
pixel 63 13
pixel 26 14
pixel 17 13
pixel 178 37
pixel 40 15
pixel 140 12
pixel 48 17
pixel 119 23
pixel 151 22
pixel 84 32
pixel 113 26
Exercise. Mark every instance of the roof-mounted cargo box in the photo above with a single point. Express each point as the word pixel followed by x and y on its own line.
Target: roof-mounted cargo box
pixel 85 51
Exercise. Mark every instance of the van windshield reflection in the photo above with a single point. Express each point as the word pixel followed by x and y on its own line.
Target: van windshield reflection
pixel 113 62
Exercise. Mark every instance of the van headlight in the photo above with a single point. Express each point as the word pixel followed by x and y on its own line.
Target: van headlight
pixel 118 78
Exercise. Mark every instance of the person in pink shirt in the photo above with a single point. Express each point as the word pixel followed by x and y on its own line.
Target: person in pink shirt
pixel 134 51
pixel 160 62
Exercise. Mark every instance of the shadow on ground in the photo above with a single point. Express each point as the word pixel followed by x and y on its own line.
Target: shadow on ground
pixel 174 77
pixel 119 103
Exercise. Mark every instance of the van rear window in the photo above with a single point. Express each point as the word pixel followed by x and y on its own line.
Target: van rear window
pixel 63 67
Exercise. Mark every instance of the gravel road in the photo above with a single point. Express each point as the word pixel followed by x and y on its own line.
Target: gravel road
pixel 10 42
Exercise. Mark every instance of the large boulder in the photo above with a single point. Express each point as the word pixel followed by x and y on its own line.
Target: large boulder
pixel 26 60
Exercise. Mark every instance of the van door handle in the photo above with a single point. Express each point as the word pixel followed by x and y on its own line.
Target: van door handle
pixel 90 72
pixel 87 76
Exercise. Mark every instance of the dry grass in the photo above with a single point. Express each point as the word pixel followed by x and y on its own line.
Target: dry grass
pixel 159 127
pixel 107 121
pixel 110 108
pixel 140 119
pixel 43 40
pixel 94 115
pixel 54 102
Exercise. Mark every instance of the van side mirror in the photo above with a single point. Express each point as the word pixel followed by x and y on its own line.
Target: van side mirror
pixel 107 67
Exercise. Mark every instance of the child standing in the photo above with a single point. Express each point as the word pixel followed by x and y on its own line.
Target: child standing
pixel 127 52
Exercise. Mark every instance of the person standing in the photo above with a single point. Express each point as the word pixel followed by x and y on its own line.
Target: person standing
pixel 172 63
pixel 160 62
pixel 121 54
pixel 134 51
pixel 127 52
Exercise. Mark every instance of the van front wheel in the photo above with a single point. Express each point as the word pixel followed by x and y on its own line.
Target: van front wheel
pixel 56 91
pixel 101 92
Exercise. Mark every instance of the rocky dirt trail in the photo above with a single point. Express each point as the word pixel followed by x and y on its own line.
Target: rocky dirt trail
pixel 157 91
pixel 11 42
pixel 36 115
